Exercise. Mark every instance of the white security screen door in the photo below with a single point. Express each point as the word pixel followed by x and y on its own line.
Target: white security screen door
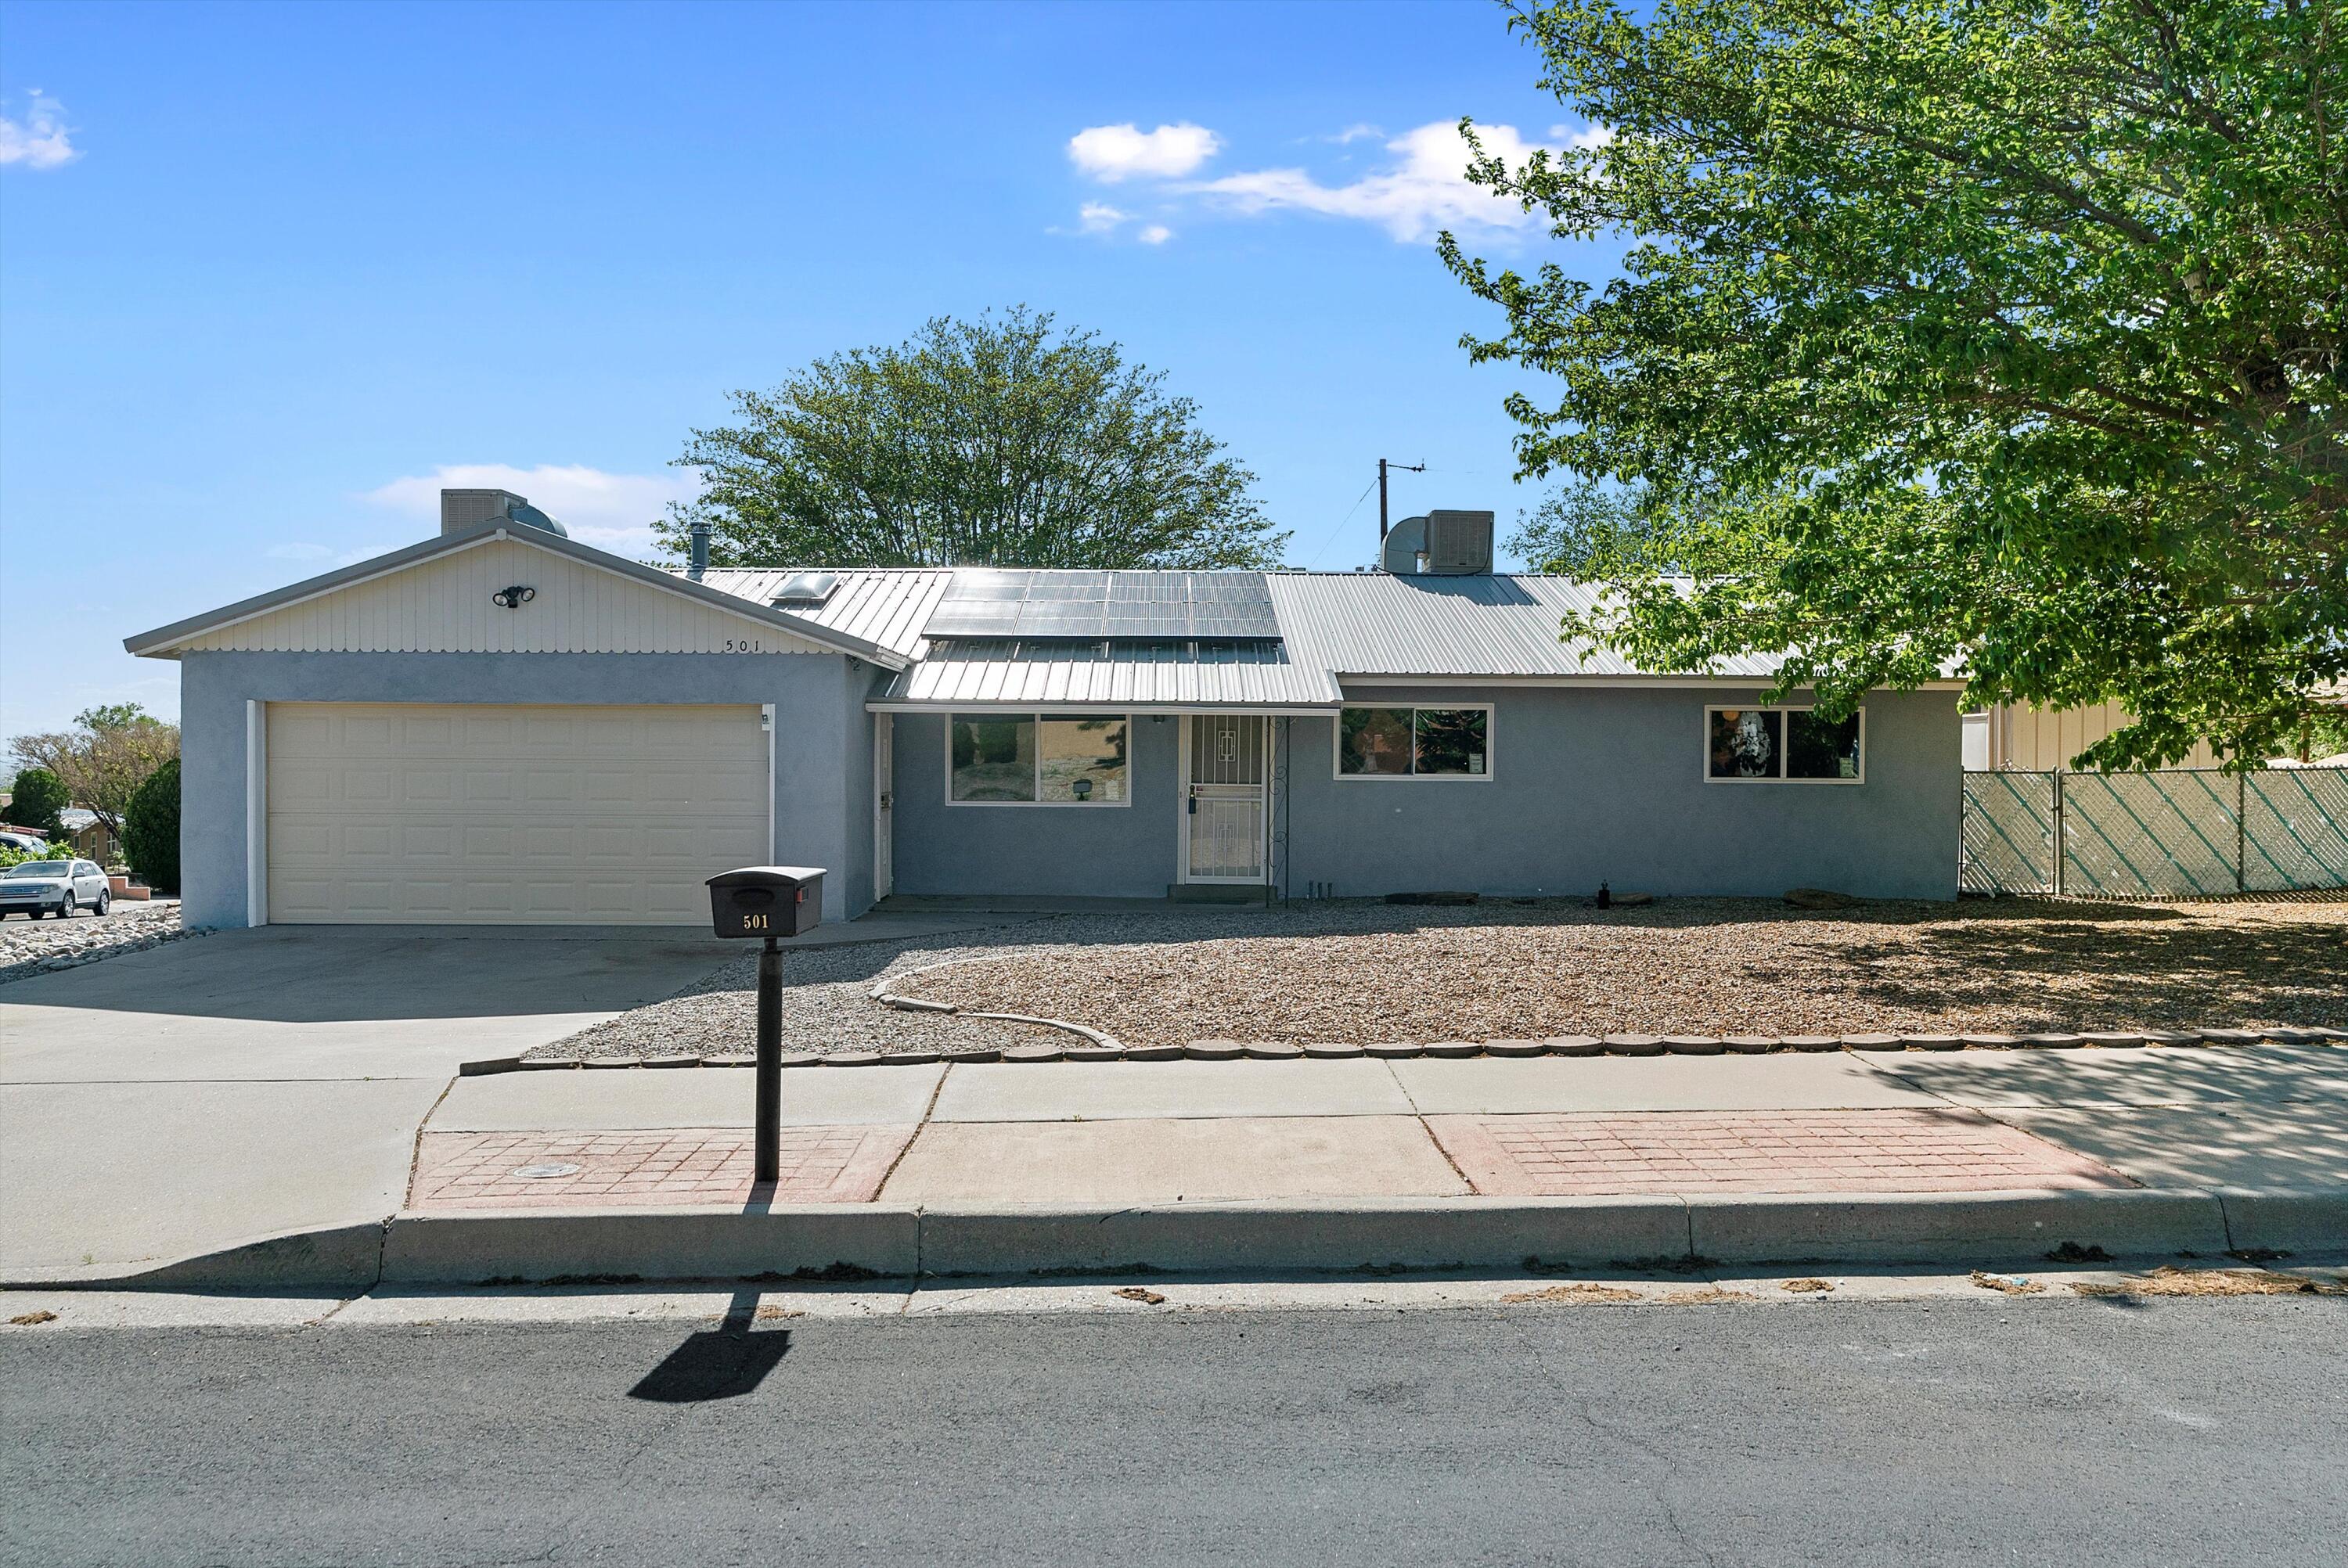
pixel 1224 798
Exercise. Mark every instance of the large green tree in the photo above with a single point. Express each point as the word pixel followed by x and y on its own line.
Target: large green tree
pixel 39 795
pixel 2001 334
pixel 997 442
pixel 104 758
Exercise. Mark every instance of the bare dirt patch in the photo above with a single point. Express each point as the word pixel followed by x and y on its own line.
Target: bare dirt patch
pixel 1365 973
pixel 2170 1280
pixel 1572 1293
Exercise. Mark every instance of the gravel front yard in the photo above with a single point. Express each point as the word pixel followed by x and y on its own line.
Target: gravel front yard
pixel 1683 966
pixel 1368 972
pixel 827 1005
pixel 39 946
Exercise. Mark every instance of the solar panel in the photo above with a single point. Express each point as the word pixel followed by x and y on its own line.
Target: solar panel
pixel 984 582
pixel 1061 619
pixel 975 618
pixel 1092 606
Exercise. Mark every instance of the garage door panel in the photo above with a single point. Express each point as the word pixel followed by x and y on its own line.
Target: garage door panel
pixel 510 813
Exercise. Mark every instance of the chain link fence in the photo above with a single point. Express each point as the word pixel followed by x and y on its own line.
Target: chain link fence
pixel 2175 833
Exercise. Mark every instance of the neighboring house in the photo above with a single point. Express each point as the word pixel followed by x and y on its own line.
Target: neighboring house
pixel 503 726
pixel 2043 740
pixel 91 839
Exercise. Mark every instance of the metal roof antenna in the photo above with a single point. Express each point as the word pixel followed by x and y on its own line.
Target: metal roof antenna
pixel 1405 468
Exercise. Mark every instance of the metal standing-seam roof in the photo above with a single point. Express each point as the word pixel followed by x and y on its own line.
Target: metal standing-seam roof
pixel 1120 674
pixel 1358 624
pixel 887 605
pixel 1353 626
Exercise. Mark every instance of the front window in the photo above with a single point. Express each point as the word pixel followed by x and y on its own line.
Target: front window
pixel 1027 759
pixel 1414 742
pixel 43 868
pixel 1767 745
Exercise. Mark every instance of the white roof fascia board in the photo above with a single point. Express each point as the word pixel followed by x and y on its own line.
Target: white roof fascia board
pixel 159 642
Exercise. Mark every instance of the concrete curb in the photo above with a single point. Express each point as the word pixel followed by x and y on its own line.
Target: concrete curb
pixel 1877 1045
pixel 806 1240
pixel 348 1258
pixel 855 1241
pixel 2284 1220
pixel 1335 1233
pixel 1895 1227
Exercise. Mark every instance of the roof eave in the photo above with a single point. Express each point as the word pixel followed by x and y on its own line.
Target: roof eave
pixel 163 642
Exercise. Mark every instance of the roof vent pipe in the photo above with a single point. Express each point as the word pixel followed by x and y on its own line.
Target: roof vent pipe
pixel 699 559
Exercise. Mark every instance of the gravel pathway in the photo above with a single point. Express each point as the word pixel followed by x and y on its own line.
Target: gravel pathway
pixel 1373 972
pixel 41 947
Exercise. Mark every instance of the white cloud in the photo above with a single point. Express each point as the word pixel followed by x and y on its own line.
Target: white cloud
pixel 39 140
pixel 1155 234
pixel 1098 218
pixel 1111 153
pixel 1354 133
pixel 1582 136
pixel 610 511
pixel 1425 191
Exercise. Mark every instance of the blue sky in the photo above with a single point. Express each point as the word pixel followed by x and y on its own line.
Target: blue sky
pixel 268 274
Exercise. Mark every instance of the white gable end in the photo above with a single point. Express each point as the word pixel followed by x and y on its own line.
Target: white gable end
pixel 443 605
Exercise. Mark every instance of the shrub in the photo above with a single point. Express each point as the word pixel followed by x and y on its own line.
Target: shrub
pixel 151 828
pixel 40 794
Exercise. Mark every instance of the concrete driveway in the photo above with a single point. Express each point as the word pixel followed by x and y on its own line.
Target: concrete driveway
pixel 210 1093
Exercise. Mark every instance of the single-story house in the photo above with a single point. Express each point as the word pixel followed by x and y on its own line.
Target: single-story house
pixel 90 838
pixel 502 724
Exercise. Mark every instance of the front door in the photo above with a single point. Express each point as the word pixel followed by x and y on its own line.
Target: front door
pixel 1223 798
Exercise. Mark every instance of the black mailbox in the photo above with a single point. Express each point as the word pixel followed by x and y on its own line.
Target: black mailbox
pixel 767 900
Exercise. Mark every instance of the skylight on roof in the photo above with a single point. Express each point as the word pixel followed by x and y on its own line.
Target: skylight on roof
pixel 805 589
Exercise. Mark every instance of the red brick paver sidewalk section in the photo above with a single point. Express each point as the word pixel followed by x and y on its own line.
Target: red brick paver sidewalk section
pixel 676 1165
pixel 1916 1151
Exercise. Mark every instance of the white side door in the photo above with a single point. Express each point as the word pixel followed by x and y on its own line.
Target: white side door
pixel 884 803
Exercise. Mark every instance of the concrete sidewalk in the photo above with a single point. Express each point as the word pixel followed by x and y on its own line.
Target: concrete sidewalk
pixel 189 1099
pixel 920 1169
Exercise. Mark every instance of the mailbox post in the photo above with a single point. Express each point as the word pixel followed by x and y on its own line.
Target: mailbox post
pixel 770 902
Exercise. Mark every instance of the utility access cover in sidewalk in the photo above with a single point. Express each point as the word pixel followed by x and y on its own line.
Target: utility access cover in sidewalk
pixel 1911 1150
pixel 680 1165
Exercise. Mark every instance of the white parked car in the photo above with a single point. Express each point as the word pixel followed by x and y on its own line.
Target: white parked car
pixel 38 888
pixel 21 841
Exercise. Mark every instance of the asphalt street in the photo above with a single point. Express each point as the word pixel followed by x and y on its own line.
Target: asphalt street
pixel 1827 1433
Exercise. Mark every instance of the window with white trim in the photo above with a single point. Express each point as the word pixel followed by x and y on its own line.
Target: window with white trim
pixel 1415 742
pixel 1784 745
pixel 1035 759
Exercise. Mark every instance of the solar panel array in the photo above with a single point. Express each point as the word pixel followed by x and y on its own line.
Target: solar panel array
pixel 1100 606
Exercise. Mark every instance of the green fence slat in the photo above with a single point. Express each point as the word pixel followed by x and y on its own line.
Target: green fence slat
pixel 2162 790
pixel 2143 882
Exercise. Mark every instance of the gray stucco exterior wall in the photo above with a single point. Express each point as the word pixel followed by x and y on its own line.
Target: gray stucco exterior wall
pixel 1069 851
pixel 1587 785
pixel 823 804
pixel 1600 783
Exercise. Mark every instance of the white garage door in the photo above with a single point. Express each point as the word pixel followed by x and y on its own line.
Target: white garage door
pixel 509 816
